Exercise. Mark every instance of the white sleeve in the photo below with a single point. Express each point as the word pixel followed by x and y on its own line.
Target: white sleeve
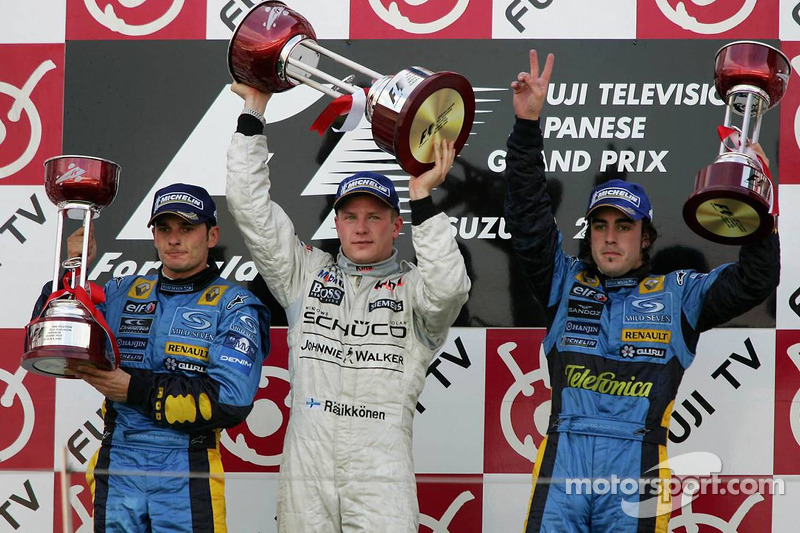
pixel 268 232
pixel 443 285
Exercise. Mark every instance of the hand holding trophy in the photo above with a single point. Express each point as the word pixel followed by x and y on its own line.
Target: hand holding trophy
pixel 734 198
pixel 275 49
pixel 70 331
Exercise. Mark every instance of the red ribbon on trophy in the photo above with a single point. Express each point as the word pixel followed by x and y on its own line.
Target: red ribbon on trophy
pixel 90 298
pixel 353 105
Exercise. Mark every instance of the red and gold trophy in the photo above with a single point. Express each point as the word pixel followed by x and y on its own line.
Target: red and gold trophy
pixel 734 198
pixel 70 331
pixel 275 49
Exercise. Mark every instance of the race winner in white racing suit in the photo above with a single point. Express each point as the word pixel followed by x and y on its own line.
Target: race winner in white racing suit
pixel 361 337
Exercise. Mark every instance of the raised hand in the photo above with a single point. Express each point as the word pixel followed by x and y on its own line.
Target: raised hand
pixel 444 154
pixel 253 98
pixel 530 88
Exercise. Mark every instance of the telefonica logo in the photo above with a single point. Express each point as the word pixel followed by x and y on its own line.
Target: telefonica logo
pixel 580 377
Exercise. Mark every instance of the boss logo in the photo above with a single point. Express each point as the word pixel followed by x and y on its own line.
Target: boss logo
pixel 326 295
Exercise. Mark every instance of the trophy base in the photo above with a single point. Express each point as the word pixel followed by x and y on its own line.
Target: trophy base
pixel 60 362
pixel 416 109
pixel 730 204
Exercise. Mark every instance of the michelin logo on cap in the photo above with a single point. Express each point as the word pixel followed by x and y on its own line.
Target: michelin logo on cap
pixel 366 182
pixel 616 193
pixel 178 198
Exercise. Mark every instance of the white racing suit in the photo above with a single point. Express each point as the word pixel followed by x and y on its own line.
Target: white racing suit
pixel 360 341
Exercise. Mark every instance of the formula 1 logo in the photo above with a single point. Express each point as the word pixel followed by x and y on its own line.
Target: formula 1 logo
pixel 356 151
pixel 31 100
pixel 257 443
pixel 420 18
pixel 707 18
pixel 134 19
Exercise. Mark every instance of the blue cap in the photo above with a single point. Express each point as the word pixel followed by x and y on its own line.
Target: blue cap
pixel 372 183
pixel 629 198
pixel 190 202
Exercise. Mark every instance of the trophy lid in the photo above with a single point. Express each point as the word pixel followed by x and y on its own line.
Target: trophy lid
pixel 748 65
pixel 254 51
pixel 70 179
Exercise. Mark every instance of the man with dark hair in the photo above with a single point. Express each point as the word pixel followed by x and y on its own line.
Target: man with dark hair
pixel 191 347
pixel 363 329
pixel 619 338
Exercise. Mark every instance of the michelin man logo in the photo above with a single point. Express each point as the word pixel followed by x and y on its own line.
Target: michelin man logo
pixel 523 384
pixel 680 16
pixel 108 17
pixel 394 16
pixel 23 102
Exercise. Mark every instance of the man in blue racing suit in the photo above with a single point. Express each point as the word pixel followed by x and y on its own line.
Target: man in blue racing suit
pixel 191 347
pixel 619 338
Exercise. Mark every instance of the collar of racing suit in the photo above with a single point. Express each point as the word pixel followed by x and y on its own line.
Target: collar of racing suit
pixel 631 279
pixel 376 270
pixel 191 284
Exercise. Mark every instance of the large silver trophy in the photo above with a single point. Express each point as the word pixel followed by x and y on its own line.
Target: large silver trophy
pixel 70 331
pixel 275 49
pixel 734 197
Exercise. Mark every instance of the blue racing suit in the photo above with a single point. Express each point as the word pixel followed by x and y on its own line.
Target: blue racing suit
pixel 194 348
pixel 616 350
